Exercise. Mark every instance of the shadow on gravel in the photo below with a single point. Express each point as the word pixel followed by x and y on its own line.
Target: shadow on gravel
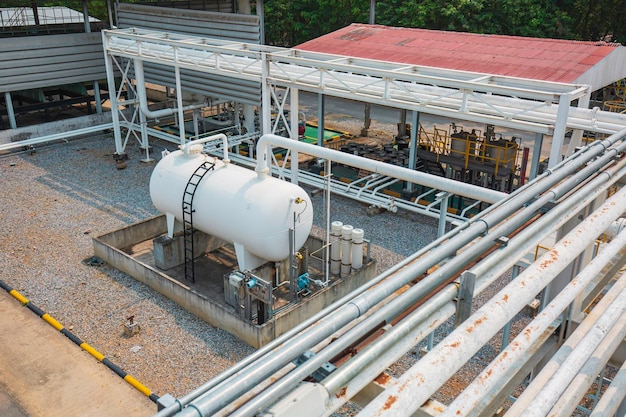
pixel 85 171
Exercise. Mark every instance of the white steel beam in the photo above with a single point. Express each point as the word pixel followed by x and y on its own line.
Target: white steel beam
pixel 523 104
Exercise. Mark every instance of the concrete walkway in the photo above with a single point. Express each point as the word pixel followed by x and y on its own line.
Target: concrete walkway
pixel 42 373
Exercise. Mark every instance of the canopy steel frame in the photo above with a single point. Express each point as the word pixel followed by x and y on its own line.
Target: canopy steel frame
pixel 505 101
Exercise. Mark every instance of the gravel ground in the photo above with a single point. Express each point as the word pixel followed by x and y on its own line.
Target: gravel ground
pixel 54 201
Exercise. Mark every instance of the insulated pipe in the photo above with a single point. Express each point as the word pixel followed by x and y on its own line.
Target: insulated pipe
pixel 335 248
pixel 357 249
pixel 211 397
pixel 456 349
pixel 482 390
pixel 501 262
pixel 346 250
pixel 186 147
pixel 143 99
pixel 405 174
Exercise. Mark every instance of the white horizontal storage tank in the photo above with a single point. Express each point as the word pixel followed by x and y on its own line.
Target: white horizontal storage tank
pixel 255 212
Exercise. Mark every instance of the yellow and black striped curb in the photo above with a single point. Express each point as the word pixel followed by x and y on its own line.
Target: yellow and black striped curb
pixel 83 345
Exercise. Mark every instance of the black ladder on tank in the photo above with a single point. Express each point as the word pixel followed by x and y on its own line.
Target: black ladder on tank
pixel 190 191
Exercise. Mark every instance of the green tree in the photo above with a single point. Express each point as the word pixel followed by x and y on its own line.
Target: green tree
pixel 290 22
pixel 599 19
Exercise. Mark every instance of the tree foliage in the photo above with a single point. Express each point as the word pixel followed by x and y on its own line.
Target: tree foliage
pixel 290 22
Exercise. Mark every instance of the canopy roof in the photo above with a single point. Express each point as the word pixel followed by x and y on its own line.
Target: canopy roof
pixel 594 63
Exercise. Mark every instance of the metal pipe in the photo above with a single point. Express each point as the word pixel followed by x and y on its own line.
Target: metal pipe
pixel 374 359
pixel 186 147
pixel 484 388
pixel 143 99
pixel 350 310
pixel 232 387
pixel 598 359
pixel 567 362
pixel 500 261
pixel 612 397
pixel 405 174
pixel 56 136
pixel 390 309
pixel 8 102
pixel 449 355
pixel 180 403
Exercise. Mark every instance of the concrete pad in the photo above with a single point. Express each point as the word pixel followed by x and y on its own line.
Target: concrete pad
pixel 42 373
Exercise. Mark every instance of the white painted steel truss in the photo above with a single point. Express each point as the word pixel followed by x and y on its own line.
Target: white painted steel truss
pixel 516 103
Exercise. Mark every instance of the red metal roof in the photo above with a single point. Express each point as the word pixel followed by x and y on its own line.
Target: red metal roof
pixel 515 56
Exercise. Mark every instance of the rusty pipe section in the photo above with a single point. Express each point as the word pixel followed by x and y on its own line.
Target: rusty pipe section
pixel 457 348
pixel 485 387
pixel 601 335
pixel 402 302
pixel 387 349
pixel 594 361
pixel 226 388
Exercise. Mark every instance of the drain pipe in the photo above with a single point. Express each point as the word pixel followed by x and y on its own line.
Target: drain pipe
pixel 216 393
pixel 456 349
pixel 143 99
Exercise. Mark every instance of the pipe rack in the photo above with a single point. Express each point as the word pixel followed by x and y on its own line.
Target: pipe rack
pixel 572 185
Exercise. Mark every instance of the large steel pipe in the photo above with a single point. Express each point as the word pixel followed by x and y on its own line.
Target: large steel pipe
pixel 406 174
pixel 457 348
pixel 487 270
pixel 613 398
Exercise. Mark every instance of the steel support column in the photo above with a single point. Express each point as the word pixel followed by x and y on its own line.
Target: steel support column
pixel 536 159
pixel 293 113
pixel 320 119
pixel 556 151
pixel 8 100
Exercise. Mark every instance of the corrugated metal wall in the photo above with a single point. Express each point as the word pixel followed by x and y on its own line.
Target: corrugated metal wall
pixel 44 61
pixel 222 6
pixel 226 26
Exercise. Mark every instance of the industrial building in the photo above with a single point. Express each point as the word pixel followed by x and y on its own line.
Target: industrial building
pixel 526 181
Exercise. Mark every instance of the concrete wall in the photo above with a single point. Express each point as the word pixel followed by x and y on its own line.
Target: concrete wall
pixel 109 247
